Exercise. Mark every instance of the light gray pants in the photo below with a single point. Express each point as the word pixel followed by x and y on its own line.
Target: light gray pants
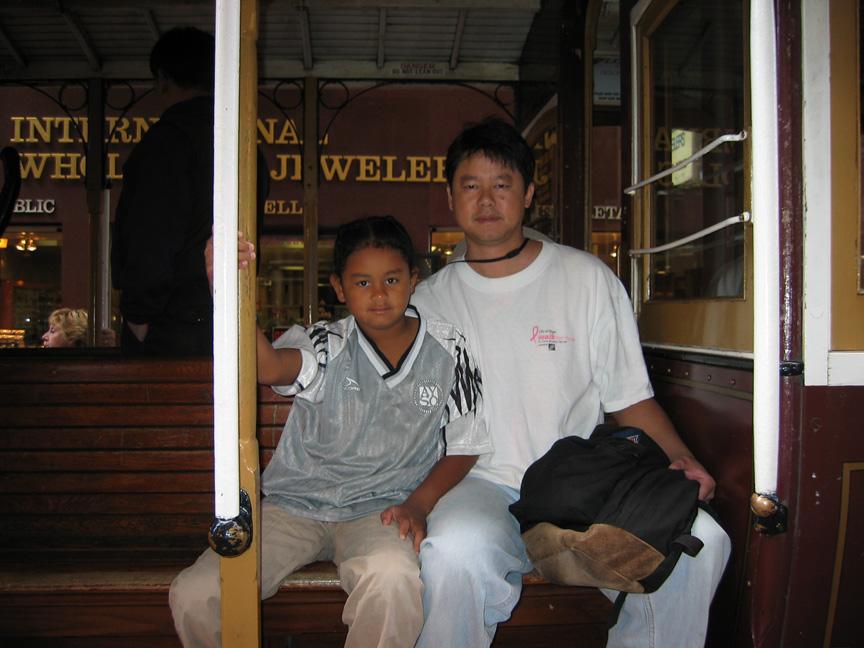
pixel 379 571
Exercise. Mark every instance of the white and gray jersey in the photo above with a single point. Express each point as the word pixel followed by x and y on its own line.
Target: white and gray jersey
pixel 362 434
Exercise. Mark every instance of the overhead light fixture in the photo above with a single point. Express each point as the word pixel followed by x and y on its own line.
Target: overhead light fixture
pixel 28 244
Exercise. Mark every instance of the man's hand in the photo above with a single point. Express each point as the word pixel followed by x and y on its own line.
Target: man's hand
pixel 107 337
pixel 411 519
pixel 694 470
pixel 245 254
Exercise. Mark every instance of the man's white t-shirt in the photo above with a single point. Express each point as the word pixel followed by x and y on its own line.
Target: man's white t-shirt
pixel 557 345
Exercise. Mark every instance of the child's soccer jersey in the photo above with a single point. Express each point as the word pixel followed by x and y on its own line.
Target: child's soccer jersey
pixel 361 434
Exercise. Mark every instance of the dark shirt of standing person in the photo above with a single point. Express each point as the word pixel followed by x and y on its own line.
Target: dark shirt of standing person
pixel 165 210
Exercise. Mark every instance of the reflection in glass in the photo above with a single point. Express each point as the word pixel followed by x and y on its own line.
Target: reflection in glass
pixel 280 284
pixel 30 262
pixel 697 80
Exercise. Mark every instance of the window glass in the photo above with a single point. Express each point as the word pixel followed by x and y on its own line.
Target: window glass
pixel 30 270
pixel 280 284
pixel 442 244
pixel 697 94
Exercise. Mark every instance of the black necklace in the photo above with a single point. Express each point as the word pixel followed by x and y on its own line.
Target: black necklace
pixel 509 255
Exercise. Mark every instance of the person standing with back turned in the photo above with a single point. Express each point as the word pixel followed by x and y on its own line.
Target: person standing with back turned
pixel 165 211
pixel 554 331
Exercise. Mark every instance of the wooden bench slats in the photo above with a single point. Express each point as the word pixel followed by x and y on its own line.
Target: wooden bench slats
pixel 106 468
pixel 38 370
pixel 146 392
pixel 167 482
pixel 153 461
pixel 137 414
pixel 110 438
pixel 131 438
pixel 161 393
pixel 101 504
pixel 104 532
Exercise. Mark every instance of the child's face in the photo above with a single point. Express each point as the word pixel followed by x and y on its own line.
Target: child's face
pixel 376 286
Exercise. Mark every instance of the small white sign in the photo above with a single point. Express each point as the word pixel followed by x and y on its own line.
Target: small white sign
pixel 407 69
pixel 684 144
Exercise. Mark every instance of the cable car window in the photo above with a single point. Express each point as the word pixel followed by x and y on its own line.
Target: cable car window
pixel 30 286
pixel 696 94
pixel 280 283
pixel 691 254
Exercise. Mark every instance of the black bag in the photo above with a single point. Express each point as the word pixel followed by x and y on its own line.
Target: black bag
pixel 607 512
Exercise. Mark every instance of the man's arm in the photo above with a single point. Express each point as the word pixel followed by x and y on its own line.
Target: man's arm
pixel 412 513
pixel 647 415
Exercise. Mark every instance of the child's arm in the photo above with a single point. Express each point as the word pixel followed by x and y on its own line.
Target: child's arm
pixel 275 366
pixel 411 514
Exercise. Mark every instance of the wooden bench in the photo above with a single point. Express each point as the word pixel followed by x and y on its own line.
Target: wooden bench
pixel 106 493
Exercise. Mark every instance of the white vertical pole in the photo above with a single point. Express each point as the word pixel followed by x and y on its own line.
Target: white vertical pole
pixel 225 294
pixel 766 244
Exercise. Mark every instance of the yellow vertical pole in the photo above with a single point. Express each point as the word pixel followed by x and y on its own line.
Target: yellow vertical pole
pixel 241 588
pixel 310 200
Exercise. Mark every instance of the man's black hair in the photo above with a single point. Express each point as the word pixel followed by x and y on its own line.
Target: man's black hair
pixel 372 232
pixel 186 56
pixel 497 140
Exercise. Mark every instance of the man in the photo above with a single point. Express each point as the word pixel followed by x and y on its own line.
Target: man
pixel 165 211
pixel 555 337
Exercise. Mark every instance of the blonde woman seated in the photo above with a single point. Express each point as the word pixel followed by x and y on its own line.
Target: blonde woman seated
pixel 67 327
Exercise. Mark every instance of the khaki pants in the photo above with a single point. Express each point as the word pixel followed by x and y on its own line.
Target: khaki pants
pixel 379 571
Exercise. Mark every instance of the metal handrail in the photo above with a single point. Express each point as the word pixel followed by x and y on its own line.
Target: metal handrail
pixel 731 137
pixel 732 220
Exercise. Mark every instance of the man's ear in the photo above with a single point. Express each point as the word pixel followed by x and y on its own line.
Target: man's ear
pixel 529 195
pixel 449 197
pixel 336 282
pixel 160 83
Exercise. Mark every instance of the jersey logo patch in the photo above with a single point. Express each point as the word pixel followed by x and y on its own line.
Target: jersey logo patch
pixel 350 385
pixel 427 395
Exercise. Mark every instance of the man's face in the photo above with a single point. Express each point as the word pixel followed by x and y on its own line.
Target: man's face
pixel 489 201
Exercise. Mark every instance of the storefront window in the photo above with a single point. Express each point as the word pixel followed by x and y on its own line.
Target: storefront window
pixel 280 284
pixel 697 95
pixel 30 270
pixel 442 245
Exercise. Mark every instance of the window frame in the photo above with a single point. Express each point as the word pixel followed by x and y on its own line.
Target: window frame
pixel 716 325
pixel 833 345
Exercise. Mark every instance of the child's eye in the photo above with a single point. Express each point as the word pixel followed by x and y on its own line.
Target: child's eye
pixel 363 283
pixel 392 280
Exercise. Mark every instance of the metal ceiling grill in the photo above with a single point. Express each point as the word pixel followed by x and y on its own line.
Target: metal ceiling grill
pixel 465 40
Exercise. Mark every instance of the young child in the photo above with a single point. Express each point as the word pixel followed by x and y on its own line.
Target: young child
pixel 380 396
